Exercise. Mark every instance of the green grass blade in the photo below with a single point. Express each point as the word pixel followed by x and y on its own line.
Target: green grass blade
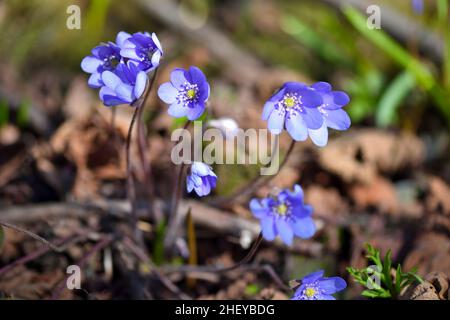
pixel 393 97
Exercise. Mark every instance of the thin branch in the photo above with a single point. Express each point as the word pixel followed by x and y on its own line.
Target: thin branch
pixel 64 243
pixel 33 235
pixel 143 257
pixel 96 248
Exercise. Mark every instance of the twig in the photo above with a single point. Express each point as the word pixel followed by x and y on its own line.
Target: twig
pixel 36 254
pixel 33 235
pixel 96 248
pixel 141 255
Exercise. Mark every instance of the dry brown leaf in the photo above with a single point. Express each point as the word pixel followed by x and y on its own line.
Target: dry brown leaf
pixel 439 196
pixel 380 193
pixel 421 291
pixel 431 253
pixel 360 155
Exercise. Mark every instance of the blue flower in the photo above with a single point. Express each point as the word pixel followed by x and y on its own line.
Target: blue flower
pixel 316 287
pixel 105 57
pixel 294 107
pixel 187 93
pixel 418 6
pixel 123 86
pixel 143 48
pixel 201 179
pixel 333 115
pixel 285 215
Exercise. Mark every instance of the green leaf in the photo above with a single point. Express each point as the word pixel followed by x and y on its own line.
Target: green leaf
pixel 311 39
pixel 393 97
pixel 23 114
pixel 391 47
pixel 4 113
pixel 158 245
pixel 252 289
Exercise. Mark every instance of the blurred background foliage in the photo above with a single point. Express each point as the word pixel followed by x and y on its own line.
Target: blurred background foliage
pixel 390 84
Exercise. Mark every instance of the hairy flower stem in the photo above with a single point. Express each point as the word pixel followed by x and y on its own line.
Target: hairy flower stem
pixel 256 183
pixel 131 192
pixel 247 258
pixel 174 217
pixel 142 143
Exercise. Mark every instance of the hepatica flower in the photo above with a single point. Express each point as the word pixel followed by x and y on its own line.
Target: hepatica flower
pixel 306 111
pixel 125 85
pixel 316 287
pixel 105 57
pixel 285 215
pixel 186 93
pixel 333 115
pixel 418 6
pixel 293 107
pixel 144 48
pixel 201 179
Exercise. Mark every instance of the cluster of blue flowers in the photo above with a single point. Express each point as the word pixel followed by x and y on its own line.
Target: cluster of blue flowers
pixel 120 70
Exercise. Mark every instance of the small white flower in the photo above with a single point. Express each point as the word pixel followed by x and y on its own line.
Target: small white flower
pixel 227 126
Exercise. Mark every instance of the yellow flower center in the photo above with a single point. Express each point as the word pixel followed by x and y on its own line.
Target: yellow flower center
pixel 282 209
pixel 289 102
pixel 190 93
pixel 310 292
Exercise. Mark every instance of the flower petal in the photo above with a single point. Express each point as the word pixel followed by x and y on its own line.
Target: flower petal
pixel 177 110
pixel 304 228
pixel 195 112
pixel 338 119
pixel 156 42
pixel 268 229
pixel 313 277
pixel 121 37
pixel 285 231
pixel 195 75
pixel 340 98
pixel 258 209
pixel 167 92
pixel 276 121
pixel 312 117
pixel 141 83
pixel 310 98
pixel 178 79
pixel 90 64
pixel 201 169
pixel 319 136
pixel 95 80
pixel 269 106
pixel 124 92
pixel 296 127
pixel 110 79
pixel 322 86
pixel 332 285
pixel 109 97
pixel 156 57
pixel 129 53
